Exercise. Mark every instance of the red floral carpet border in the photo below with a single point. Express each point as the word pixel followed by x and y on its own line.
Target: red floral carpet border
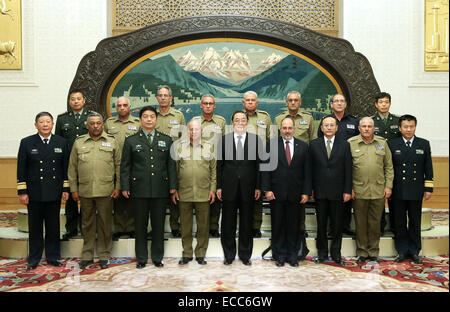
pixel 14 275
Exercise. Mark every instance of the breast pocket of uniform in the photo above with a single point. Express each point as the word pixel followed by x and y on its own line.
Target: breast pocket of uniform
pixel 83 154
pixel 67 127
pixel 106 153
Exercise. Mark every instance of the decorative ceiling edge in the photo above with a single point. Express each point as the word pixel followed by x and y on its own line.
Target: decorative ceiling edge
pixel 351 69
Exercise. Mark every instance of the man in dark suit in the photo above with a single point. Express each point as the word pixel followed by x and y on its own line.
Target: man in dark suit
pixel 147 176
pixel 413 182
pixel 286 186
pixel 42 181
pixel 238 186
pixel 331 168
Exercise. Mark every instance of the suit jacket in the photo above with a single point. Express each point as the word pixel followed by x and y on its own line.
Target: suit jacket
pixel 42 168
pixel 148 171
pixel 288 182
pixel 232 173
pixel 331 177
pixel 413 168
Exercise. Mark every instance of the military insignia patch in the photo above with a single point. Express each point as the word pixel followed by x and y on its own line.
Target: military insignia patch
pixel 379 147
pixel 303 122
pixel 419 151
pixel 132 127
pixel 34 151
pixel 260 122
pixel 161 144
pixel 394 126
pixel 173 122
pixel 349 126
pixel 138 147
pixel 58 150
pixel 106 144
pixel 397 152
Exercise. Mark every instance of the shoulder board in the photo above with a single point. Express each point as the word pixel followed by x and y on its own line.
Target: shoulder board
pixel 281 114
pixel 110 135
pixel 353 138
pixel 110 118
pixel 162 135
pixel 62 114
pixel 305 112
pixel 220 117
pixel 82 136
pixel 379 138
pixel 177 111
pixel 262 112
pixel 395 116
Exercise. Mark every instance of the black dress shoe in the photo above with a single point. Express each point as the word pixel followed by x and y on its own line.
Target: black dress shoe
pixel 319 260
pixel 116 236
pixel 349 232
pixel 176 233
pixel 185 260
pixel 247 262
pixel 158 264
pixel 373 259
pixel 104 264
pixel 338 261
pixel 361 260
pixel 140 265
pixel 201 260
pixel 257 234
pixel 85 263
pixel 32 266
pixel 68 236
pixel 303 256
pixel 227 262
pixel 54 263
pixel 416 259
pixel 293 263
pixel 279 263
pixel 400 258
pixel 214 233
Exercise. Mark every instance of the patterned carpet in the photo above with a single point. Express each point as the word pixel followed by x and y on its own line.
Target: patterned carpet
pixel 122 276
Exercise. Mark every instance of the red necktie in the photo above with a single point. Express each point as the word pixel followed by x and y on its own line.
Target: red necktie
pixel 288 153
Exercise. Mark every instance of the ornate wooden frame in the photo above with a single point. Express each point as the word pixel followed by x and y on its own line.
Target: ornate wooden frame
pixel 351 69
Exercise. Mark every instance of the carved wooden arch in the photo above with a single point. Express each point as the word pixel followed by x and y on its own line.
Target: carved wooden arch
pixel 351 69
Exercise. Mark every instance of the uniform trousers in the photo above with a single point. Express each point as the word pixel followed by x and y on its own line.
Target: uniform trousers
pixel 391 217
pixel 214 215
pixel 407 233
pixel 367 220
pixel 284 217
pixel 123 215
pixel 97 219
pixel 228 227
pixel 186 222
pixel 347 215
pixel 329 210
pixel 73 217
pixel 47 213
pixel 258 213
pixel 156 208
pixel 174 216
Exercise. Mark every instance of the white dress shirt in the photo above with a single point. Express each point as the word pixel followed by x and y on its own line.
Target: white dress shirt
pixel 236 139
pixel 291 146
pixel 331 143
pixel 42 138
pixel 405 140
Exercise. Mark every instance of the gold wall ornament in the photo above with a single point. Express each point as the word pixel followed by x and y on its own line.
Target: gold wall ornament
pixel 10 34
pixel 318 15
pixel 436 35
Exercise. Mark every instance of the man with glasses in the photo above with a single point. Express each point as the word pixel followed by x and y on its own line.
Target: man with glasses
pixel 213 127
pixel 168 122
pixel 122 126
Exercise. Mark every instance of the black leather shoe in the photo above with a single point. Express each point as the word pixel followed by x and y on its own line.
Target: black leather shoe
pixel 54 263
pixel 416 259
pixel 85 263
pixel 303 256
pixel 201 260
pixel 158 264
pixel 361 260
pixel 214 233
pixel 247 262
pixel 373 259
pixel 140 265
pixel 32 266
pixel 279 263
pixel 400 258
pixel 257 234
pixel 349 232
pixel 293 263
pixel 104 264
pixel 116 236
pixel 176 233
pixel 68 236
pixel 338 261
pixel 227 262
pixel 319 260
pixel 185 260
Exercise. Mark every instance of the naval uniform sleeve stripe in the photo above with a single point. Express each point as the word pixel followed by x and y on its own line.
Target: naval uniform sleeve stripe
pixel 66 183
pixel 429 183
pixel 21 186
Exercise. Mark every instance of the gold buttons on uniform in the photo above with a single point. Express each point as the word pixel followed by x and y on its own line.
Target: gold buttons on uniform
pixel 404 165
pixel 152 166
pixel 404 171
pixel 414 172
pixel 151 150
pixel 151 157
pixel 42 169
pixel 404 178
pixel 414 164
pixel 40 161
pixel 134 179
pixel 153 174
pixel 42 178
pixel 53 160
pixel 54 177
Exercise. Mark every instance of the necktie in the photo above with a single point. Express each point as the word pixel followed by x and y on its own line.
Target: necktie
pixel 288 153
pixel 239 149
pixel 150 138
pixel 45 141
pixel 328 148
pixel 408 143
pixel 77 116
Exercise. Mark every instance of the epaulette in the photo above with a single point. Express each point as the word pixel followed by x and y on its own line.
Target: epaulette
pixel 282 113
pixel 353 138
pixel 65 113
pixel 81 136
pixel 162 134
pixel 263 112
pixel 305 112
pixel 219 117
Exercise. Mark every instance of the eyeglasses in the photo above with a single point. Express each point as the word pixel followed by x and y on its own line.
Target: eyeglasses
pixel 163 95
pixel 339 101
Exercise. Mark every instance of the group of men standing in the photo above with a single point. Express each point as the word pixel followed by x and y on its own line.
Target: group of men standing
pixel 138 167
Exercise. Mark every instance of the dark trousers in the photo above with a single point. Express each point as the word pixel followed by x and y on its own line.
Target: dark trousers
pixel 407 236
pixel 174 218
pixel 123 215
pixel 391 217
pixel 73 218
pixel 228 227
pixel 285 231
pixel 156 207
pixel 258 213
pixel 332 210
pixel 302 247
pixel 214 215
pixel 40 213
pixel 347 215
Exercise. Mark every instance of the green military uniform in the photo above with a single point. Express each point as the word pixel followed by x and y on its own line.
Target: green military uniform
pixel 386 127
pixel 148 172
pixel 123 210
pixel 372 173
pixel 212 130
pixel 259 123
pixel 70 128
pixel 196 170
pixel 94 174
pixel 305 128
pixel 170 124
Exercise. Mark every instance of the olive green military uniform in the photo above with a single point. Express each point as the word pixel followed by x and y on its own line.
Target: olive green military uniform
pixel 196 170
pixel 123 210
pixel 94 173
pixel 305 128
pixel 212 130
pixel 70 127
pixel 259 123
pixel 169 124
pixel 149 173
pixel 372 173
